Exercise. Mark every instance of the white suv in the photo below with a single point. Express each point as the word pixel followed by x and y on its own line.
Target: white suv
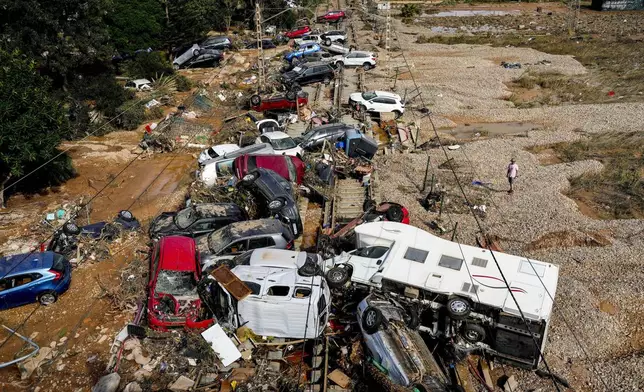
pixel 334 36
pixel 356 58
pixel 378 101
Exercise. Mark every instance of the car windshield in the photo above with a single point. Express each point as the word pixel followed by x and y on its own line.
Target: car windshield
pixel 185 218
pixel 219 239
pixel 282 144
pixel 177 283
pixel 225 168
pixel 369 95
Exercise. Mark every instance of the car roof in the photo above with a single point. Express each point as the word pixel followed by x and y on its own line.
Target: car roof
pixel 316 63
pixel 177 253
pixel 360 51
pixel 254 227
pixel 276 135
pixel 331 126
pixel 141 81
pixel 281 258
pixel 24 262
pixel 386 94
pixel 218 209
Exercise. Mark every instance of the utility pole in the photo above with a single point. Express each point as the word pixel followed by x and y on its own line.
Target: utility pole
pixel 387 8
pixel 260 48
pixel 573 16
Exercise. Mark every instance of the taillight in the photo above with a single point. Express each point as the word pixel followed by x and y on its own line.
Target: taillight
pixel 290 245
pixel 57 275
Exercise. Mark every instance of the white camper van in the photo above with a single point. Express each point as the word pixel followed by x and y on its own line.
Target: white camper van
pixel 458 288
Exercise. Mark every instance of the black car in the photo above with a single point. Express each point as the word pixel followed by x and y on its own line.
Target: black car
pixel 266 44
pixel 316 136
pixel 220 43
pixel 197 220
pixel 308 73
pixel 309 58
pixel 198 57
pixel 277 196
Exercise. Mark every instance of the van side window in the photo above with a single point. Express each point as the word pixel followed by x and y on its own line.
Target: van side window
pixel 372 252
pixel 278 291
pixel 302 292
pixel 417 255
pixel 262 242
pixel 450 262
pixel 254 287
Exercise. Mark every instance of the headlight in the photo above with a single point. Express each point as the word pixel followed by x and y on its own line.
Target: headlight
pixel 275 204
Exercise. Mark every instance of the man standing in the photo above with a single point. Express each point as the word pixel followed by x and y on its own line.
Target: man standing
pixel 513 170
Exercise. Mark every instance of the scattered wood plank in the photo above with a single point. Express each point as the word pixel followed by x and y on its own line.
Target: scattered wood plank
pixel 231 282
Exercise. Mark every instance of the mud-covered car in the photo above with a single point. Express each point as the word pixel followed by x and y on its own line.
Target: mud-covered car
pixel 66 238
pixel 275 195
pixel 395 346
pixel 196 220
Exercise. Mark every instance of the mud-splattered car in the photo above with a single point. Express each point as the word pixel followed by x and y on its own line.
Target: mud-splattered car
pixel 398 354
pixel 173 300
pixel 196 220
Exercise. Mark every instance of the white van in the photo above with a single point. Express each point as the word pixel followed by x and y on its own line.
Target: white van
pixel 222 166
pixel 457 283
pixel 290 297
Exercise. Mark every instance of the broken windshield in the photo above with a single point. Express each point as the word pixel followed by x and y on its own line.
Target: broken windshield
pixel 176 283
pixel 185 218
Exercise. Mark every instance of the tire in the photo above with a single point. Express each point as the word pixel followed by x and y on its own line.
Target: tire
pixel 295 61
pixel 339 64
pixel 397 113
pixel 249 178
pixel 338 276
pixel 362 108
pixel 458 308
pixel 366 66
pixel 255 100
pixel 196 52
pixel 371 320
pixel 47 298
pixel 413 318
pixel 394 213
pixel 126 215
pixel 291 95
pixel 71 228
pixel 328 42
pixel 473 332
pixel 309 269
pixel 368 205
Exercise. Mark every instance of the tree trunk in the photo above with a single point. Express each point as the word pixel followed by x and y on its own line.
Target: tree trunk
pixel 2 184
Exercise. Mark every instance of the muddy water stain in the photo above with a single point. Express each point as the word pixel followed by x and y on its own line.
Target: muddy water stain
pixel 487 130
pixel 608 307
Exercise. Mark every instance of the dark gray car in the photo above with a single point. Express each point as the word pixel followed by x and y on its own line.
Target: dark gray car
pixel 315 137
pixel 239 237
pixel 219 42
pixel 197 56
pixel 308 73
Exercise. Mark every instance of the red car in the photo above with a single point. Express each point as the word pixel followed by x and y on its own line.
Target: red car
pixel 279 102
pixel 298 32
pixel 174 272
pixel 288 167
pixel 332 16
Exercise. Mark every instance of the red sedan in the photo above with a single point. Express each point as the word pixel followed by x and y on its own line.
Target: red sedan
pixel 298 32
pixel 174 272
pixel 332 16
pixel 288 167
pixel 279 102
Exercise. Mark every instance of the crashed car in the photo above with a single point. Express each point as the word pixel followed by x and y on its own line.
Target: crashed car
pixel 266 44
pixel 276 195
pixel 219 42
pixel 306 48
pixel 279 102
pixel 221 168
pixel 281 142
pixel 216 151
pixel 285 286
pixel 289 167
pixel 331 16
pixel 240 237
pixel 315 137
pixel 198 57
pixel 66 238
pixel 398 353
pixel 307 73
pixel 197 220
pixel 173 300
pixel 298 32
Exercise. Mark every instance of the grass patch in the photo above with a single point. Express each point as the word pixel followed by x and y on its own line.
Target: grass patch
pixel 617 192
pixel 553 89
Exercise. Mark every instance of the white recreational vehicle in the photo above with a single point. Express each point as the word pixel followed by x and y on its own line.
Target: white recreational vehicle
pixel 457 288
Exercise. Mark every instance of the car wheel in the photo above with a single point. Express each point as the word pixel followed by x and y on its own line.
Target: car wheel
pixel 71 228
pixel 458 308
pixel 309 269
pixel 328 42
pixel 397 113
pixel 126 215
pixel 249 178
pixel 340 64
pixel 255 100
pixel 474 333
pixel 366 66
pixel 47 298
pixel 277 204
pixel 368 205
pixel 362 108
pixel 196 52
pixel 338 276
pixel 394 213
pixel 371 320
pixel 412 318
pixel 291 95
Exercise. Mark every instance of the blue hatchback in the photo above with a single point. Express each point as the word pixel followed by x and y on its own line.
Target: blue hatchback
pixel 303 50
pixel 33 277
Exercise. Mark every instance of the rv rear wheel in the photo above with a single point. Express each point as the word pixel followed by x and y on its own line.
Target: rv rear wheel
pixel 371 320
pixel 412 318
pixel 394 213
pixel 458 308
pixel 338 276
pixel 474 333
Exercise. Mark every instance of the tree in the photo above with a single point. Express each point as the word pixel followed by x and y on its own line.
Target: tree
pixel 136 24
pixel 190 20
pixel 33 123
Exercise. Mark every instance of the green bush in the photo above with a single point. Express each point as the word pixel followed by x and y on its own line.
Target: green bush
pixel 153 113
pixel 131 117
pixel 409 10
pixel 148 66
pixel 183 83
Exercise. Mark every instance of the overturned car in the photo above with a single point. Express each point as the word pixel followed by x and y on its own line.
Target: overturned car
pixel 197 220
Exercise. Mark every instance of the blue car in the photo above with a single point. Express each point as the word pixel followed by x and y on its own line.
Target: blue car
pixel 304 49
pixel 33 277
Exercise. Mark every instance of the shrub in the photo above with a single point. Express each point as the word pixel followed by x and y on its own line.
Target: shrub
pixel 131 117
pixel 183 83
pixel 409 10
pixel 148 66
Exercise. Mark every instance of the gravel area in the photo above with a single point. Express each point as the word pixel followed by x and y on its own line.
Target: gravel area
pixel 600 292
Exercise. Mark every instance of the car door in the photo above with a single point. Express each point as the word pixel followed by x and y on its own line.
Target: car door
pixel 351 59
pixel 261 242
pixel 235 248
pixel 377 105
pixel 20 290
pixel 204 226
pixel 366 262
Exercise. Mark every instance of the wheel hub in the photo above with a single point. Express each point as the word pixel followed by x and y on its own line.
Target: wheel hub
pixel 458 307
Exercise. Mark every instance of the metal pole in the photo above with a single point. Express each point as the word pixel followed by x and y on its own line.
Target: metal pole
pixel 454 231
pixel 440 211
pixel 260 48
pixel 426 174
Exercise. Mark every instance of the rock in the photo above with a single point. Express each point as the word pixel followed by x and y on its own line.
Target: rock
pixel 133 387
pixel 142 374
pixel 60 367
pixel 52 344
pixel 183 383
pixel 102 339
pixel 33 335
pixel 275 355
pixel 511 384
pixel 108 383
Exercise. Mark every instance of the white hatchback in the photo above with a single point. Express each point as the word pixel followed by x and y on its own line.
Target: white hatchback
pixel 378 102
pixel 281 143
